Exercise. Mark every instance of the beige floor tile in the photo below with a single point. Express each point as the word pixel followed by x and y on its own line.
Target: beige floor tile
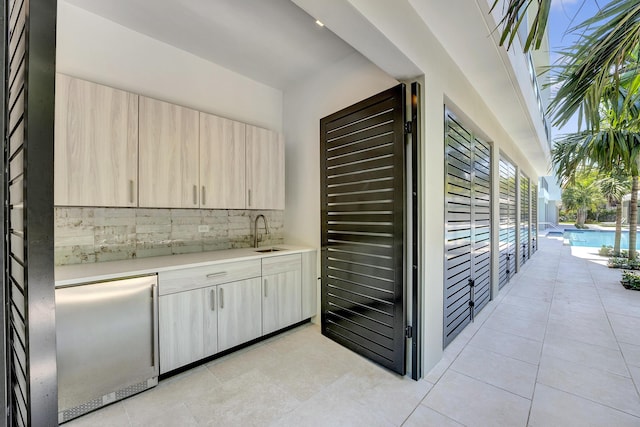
pixel 426 417
pixel 626 328
pixel 475 403
pixel 496 369
pixel 187 385
pixel 249 399
pixel 516 326
pixel 576 306
pixel 584 333
pixel 552 407
pixel 176 414
pixel 591 383
pixel 524 302
pixel 110 416
pixel 434 375
pixel 329 410
pixel 586 354
pixel 533 311
pixel 232 366
pixel 635 375
pixel 631 353
pixel 514 346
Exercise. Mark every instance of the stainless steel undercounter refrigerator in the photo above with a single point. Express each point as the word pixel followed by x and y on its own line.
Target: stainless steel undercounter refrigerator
pixel 107 342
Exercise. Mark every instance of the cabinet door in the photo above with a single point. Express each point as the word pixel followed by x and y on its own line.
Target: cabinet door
pixel 281 300
pixel 281 291
pixel 181 329
pixel 265 169
pixel 222 163
pixel 96 144
pixel 210 329
pixel 168 155
pixel 239 312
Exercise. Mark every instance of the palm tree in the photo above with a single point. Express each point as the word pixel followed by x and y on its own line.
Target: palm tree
pixel 614 187
pixel 608 149
pixel 599 58
pixel 581 197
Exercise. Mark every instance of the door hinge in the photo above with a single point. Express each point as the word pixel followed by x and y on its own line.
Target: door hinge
pixel 408 332
pixel 472 304
pixel 407 127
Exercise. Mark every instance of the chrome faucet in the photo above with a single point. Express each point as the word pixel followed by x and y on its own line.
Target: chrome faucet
pixel 256 239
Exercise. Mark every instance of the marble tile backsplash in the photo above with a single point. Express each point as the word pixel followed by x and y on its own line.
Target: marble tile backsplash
pixel 85 235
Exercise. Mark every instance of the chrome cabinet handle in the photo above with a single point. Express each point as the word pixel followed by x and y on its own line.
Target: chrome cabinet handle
pixel 131 191
pixel 249 197
pixel 265 287
pixel 218 274
pixel 221 298
pixel 195 194
pixel 213 300
pixel 203 196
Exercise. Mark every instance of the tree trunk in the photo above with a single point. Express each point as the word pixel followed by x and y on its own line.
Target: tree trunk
pixel 580 217
pixel 616 242
pixel 633 217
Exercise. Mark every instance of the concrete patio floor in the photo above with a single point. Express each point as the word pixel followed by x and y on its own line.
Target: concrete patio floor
pixel 559 346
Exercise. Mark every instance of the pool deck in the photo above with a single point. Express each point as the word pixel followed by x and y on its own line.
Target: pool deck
pixel 559 346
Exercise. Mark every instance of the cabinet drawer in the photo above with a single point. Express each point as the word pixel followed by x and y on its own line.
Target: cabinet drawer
pixel 198 277
pixel 280 264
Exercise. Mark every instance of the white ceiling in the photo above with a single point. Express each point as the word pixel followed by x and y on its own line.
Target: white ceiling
pixel 271 41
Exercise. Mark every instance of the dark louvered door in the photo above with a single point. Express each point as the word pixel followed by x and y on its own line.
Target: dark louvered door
pixel 507 245
pixel 481 210
pixel 524 219
pixel 363 199
pixel 467 281
pixel 28 118
pixel 534 218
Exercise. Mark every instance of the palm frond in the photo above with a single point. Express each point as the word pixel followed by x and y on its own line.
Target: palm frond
pixel 514 15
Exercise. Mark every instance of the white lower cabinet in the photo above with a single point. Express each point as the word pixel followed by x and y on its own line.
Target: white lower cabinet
pixel 210 309
pixel 181 329
pixel 239 313
pixel 281 292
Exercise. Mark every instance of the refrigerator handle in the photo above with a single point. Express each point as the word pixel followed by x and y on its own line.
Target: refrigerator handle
pixel 153 325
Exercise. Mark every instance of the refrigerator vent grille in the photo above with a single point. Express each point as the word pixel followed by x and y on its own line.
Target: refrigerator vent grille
pixel 69 414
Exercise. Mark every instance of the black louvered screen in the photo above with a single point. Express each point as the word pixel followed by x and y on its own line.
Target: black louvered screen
pixel 524 219
pixel 507 245
pixel 28 217
pixel 362 199
pixel 534 218
pixel 481 224
pixel 467 287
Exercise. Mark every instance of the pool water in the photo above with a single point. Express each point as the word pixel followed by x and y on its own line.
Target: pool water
pixel 596 238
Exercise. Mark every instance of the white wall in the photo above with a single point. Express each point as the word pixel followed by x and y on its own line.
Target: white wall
pixel 99 50
pixel 305 103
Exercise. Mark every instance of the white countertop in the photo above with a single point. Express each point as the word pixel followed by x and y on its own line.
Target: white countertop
pixel 99 271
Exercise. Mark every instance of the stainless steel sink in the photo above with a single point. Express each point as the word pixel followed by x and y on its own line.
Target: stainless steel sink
pixel 266 250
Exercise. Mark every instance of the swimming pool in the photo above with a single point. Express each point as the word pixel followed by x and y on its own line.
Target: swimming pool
pixel 596 238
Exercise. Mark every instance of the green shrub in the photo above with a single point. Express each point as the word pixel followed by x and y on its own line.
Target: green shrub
pixel 605 250
pixel 618 262
pixel 630 280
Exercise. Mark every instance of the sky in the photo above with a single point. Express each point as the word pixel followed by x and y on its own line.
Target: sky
pixel 564 15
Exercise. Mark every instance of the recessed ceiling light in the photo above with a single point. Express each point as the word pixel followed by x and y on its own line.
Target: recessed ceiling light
pixel 319 23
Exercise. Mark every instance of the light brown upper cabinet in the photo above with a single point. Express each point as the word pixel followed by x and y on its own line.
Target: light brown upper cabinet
pixel 222 163
pixel 168 166
pixel 265 169
pixel 96 144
